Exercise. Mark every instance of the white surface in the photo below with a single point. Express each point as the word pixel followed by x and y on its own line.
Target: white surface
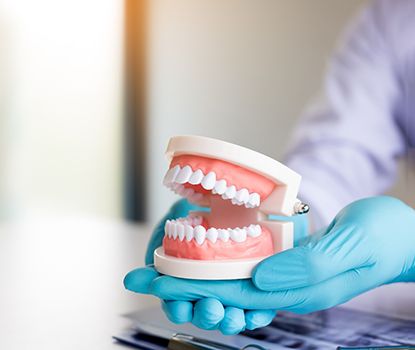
pixel 236 70
pixel 204 269
pixel 61 283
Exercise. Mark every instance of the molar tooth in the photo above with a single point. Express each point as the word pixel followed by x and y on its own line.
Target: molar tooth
pixel 180 231
pixel 220 187
pixel 184 175
pixel 212 234
pixel 242 195
pixel 254 200
pixel 238 235
pixel 197 220
pixel 254 230
pixel 171 175
pixel 229 193
pixel 200 234
pixel 196 177
pixel 236 202
pixel 223 234
pixel 209 181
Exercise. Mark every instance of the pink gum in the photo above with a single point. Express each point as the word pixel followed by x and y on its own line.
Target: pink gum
pixel 233 174
pixel 257 247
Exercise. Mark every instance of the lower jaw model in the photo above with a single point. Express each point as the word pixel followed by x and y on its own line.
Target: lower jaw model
pixel 241 187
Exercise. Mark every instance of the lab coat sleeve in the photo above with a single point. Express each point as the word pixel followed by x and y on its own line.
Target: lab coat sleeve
pixel 347 144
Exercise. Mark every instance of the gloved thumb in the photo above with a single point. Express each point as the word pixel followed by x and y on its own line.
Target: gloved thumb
pixel 320 259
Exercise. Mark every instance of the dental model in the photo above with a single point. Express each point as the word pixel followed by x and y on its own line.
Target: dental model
pixel 241 187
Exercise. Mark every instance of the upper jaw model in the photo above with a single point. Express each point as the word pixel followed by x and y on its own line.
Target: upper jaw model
pixel 241 187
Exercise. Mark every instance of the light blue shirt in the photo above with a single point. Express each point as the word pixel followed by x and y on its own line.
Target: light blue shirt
pixel 347 144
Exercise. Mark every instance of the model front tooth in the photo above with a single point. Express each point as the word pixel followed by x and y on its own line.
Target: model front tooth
pixel 229 193
pixel 188 232
pixel 171 229
pixel 254 230
pixel 223 235
pixel 171 175
pixel 174 230
pixel 209 181
pixel 199 234
pixel 196 177
pixel 220 187
pixel 242 195
pixel 180 231
pixel 212 235
pixel 238 235
pixel 166 228
pixel 254 200
pixel 184 175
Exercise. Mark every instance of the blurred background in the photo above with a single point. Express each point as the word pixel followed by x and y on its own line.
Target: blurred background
pixel 91 91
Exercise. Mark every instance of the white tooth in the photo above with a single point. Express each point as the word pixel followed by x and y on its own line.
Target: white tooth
pixel 229 193
pixel 188 230
pixel 166 227
pixel 220 187
pixel 242 195
pixel 196 177
pixel 254 200
pixel 212 235
pixel 174 230
pixel 209 181
pixel 238 235
pixel 171 229
pixel 253 230
pixel 223 235
pixel 236 202
pixel 171 175
pixel 200 234
pixel 180 231
pixel 184 175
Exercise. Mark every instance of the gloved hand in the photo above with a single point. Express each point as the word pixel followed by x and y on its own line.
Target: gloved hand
pixel 370 242
pixel 207 313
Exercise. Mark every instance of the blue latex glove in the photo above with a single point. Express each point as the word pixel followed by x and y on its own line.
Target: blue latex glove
pixel 370 242
pixel 208 313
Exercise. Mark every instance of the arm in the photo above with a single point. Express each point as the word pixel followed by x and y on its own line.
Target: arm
pixel 346 146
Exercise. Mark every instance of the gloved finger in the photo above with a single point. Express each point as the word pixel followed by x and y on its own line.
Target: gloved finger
pixel 179 209
pixel 233 322
pixel 332 254
pixel 208 313
pixel 258 318
pixel 178 311
pixel 244 295
pixel 139 280
pixel 238 293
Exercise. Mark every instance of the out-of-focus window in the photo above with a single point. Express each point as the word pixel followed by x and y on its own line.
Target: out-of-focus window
pixel 61 106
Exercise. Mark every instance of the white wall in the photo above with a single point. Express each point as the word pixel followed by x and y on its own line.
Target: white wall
pixel 61 106
pixel 239 70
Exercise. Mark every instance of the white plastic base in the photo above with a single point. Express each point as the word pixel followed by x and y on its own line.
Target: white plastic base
pixel 204 269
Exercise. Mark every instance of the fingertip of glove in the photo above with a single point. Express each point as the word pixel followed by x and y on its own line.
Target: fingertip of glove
pixel 259 318
pixel 140 279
